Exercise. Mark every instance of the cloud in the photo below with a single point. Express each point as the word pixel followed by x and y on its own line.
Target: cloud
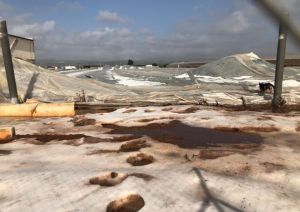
pixel 34 29
pixel 107 16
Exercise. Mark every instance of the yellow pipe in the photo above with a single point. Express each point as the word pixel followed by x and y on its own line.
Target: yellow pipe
pixel 7 134
pixel 37 110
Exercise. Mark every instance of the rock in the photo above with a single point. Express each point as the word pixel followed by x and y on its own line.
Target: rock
pixel 7 134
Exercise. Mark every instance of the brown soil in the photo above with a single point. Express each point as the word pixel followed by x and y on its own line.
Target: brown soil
pixel 130 203
pixel 143 176
pixel 130 111
pixel 187 110
pixel 5 152
pixel 167 109
pixel 186 136
pixel 140 159
pixel 110 179
pixel 134 145
pixel 298 127
pixel 265 118
pixel 148 111
pixel 82 121
pixel 248 129
pixel 271 167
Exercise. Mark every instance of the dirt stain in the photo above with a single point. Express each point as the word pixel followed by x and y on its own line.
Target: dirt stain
pixel 130 111
pixel 143 176
pixel 5 152
pixel 271 167
pixel 79 121
pixel 70 139
pixel 187 110
pixel 190 137
pixel 248 129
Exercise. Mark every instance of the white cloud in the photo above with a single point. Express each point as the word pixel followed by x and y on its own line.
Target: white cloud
pixel 105 15
pixel 236 23
pixel 34 29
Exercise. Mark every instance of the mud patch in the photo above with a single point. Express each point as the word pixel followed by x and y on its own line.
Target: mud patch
pixel 271 167
pixel 140 159
pixel 187 110
pixel 298 127
pixel 68 139
pixel 109 179
pixel 167 109
pixel 191 137
pixel 130 111
pixel 79 121
pixel 130 203
pixel 134 145
pixel 149 111
pixel 265 118
pixel 143 176
pixel 5 152
pixel 248 129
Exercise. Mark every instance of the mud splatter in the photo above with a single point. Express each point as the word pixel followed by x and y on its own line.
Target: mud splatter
pixel 140 159
pixel 79 121
pixel 130 111
pixel 248 129
pixel 149 111
pixel 134 145
pixel 143 176
pixel 187 110
pixel 265 118
pixel 271 167
pixel 5 152
pixel 129 203
pixel 186 136
pixel 109 179
pixel 167 109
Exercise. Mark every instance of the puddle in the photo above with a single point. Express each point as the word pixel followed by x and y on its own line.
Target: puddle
pixel 190 137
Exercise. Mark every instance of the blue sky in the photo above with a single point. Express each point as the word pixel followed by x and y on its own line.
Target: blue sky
pixel 144 29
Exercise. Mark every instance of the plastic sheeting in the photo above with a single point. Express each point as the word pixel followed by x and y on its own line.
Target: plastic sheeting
pixel 223 81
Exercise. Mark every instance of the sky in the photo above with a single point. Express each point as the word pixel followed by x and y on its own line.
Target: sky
pixel 156 30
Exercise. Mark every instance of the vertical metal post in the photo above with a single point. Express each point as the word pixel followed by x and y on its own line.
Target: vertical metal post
pixel 277 99
pixel 7 59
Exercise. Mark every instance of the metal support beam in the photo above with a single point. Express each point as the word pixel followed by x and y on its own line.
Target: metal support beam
pixel 7 59
pixel 277 99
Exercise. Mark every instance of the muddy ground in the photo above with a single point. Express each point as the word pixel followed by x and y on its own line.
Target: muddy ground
pixel 181 158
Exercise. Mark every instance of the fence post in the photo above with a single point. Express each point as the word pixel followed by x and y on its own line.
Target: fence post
pixel 277 99
pixel 7 59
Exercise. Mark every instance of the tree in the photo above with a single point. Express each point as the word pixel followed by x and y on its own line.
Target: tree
pixel 154 64
pixel 130 62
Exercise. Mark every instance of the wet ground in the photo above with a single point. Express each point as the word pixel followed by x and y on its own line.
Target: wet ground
pixel 178 158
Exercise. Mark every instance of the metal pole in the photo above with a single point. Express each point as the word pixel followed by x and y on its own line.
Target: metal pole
pixel 277 99
pixel 7 59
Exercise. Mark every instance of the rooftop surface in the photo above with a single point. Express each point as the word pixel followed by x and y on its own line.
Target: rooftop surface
pixel 204 159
